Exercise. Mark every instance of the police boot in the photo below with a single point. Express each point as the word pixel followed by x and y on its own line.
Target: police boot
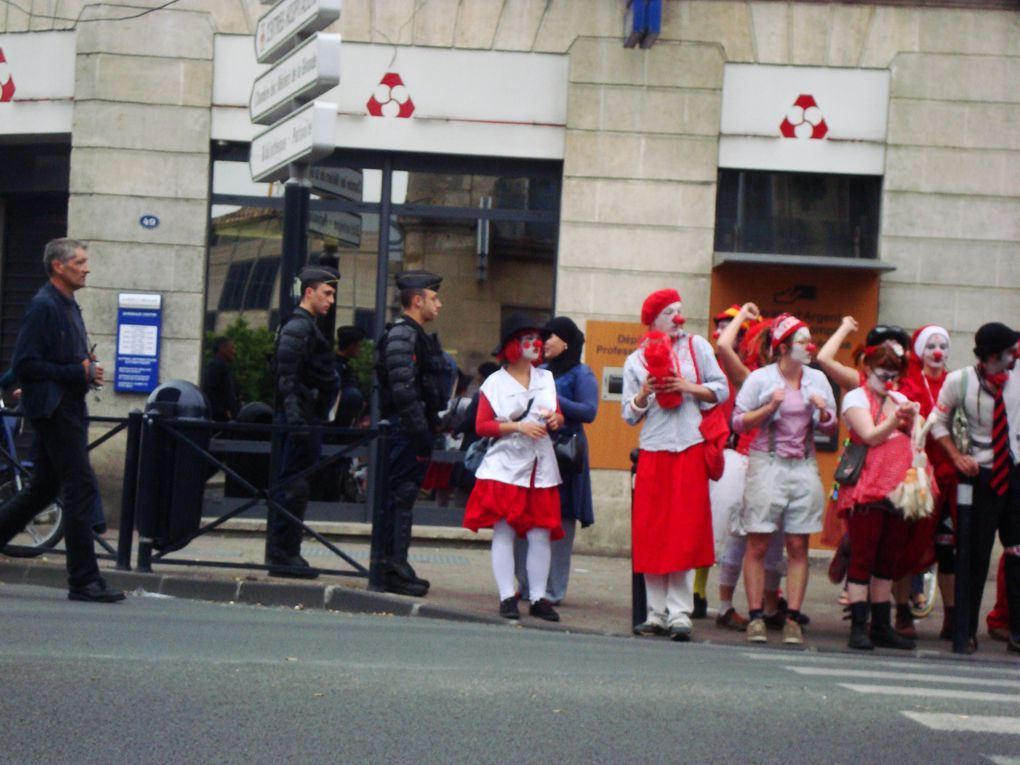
pixel 399 564
pixel 859 639
pixel 882 633
pixel 402 585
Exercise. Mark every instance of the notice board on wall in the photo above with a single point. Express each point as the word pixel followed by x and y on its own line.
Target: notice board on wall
pixel 607 345
pixel 139 320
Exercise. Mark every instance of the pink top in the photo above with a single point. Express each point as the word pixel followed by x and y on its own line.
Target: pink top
pixel 793 428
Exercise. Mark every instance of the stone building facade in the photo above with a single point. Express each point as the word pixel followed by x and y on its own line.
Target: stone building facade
pixel 639 135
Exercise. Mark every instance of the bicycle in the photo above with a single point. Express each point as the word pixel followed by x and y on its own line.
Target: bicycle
pixel 44 531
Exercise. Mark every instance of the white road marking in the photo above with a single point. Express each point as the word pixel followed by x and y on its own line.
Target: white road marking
pixel 879 675
pixel 999 759
pixel 854 660
pixel 929 693
pixel 966 723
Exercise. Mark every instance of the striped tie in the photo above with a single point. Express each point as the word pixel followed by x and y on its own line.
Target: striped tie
pixel 1000 447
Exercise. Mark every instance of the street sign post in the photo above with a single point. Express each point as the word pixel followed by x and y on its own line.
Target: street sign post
pixel 345 227
pixel 306 73
pixel 307 135
pixel 340 182
pixel 278 30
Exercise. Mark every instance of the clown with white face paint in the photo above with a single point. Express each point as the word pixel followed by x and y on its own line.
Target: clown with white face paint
pixel 516 486
pixel 671 518
pixel 786 401
pixel 989 394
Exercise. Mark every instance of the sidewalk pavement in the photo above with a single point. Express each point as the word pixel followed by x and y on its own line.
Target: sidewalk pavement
pixel 598 600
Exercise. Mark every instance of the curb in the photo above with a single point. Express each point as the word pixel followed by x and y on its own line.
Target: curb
pixel 330 597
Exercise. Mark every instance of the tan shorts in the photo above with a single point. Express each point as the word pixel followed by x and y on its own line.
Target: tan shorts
pixel 782 493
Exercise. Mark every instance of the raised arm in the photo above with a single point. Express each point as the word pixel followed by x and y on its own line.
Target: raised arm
pixel 726 345
pixel 844 376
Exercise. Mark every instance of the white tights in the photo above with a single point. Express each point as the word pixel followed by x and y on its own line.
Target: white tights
pixel 539 556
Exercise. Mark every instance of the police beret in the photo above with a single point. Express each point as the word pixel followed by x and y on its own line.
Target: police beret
pixel 418 280
pixel 325 274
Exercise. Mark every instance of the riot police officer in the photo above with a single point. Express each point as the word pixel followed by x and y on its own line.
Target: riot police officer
pixel 411 370
pixel 306 384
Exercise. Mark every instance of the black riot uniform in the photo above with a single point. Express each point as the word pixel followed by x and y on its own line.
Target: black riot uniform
pixel 306 384
pixel 412 373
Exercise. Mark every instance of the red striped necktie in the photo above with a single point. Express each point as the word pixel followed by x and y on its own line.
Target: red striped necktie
pixel 1000 446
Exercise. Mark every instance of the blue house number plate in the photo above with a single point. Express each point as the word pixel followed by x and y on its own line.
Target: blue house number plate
pixel 149 221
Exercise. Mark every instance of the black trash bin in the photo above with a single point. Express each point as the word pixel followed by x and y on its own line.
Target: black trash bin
pixel 252 463
pixel 171 480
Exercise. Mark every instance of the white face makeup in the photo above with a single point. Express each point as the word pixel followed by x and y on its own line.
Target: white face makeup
pixel 936 351
pixel 1004 362
pixel 882 380
pixel 531 346
pixel 800 349
pixel 670 320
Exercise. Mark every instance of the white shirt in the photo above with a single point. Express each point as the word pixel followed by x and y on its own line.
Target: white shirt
pixel 979 407
pixel 511 458
pixel 858 399
pixel 673 430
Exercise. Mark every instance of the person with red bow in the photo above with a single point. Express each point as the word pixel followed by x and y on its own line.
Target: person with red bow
pixel 516 490
pixel 668 382
pixel 989 395
pixel 785 401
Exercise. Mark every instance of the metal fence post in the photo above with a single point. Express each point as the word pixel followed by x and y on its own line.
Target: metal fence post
pixel 377 500
pixel 129 491
pixel 961 623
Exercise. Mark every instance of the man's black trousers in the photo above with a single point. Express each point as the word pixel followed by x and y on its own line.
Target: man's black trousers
pixel 61 465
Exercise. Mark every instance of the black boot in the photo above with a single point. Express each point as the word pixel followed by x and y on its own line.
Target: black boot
pixel 404 570
pixel 859 639
pixel 905 621
pixel 882 633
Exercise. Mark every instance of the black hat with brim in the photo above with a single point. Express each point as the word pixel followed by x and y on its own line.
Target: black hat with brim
pixel 993 338
pixel 514 324
pixel 322 274
pixel 418 280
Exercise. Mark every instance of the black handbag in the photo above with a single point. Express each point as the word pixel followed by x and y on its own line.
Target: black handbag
pixel 569 450
pixel 851 462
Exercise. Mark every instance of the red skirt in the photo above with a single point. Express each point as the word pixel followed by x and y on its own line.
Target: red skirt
pixel 522 507
pixel 671 522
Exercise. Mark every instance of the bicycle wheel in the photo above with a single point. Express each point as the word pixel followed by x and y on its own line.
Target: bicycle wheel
pixel 930 590
pixel 41 534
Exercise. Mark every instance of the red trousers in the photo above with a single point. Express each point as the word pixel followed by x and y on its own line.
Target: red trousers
pixel 877 541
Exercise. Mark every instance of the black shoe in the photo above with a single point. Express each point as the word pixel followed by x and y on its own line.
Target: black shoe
pixel 291 567
pixel 508 609
pixel 700 607
pixel 543 610
pixel 95 591
pixel 882 633
pixel 1012 646
pixel 403 570
pixel 396 585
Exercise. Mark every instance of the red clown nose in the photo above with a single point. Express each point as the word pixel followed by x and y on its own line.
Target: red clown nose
pixel 811 348
pixel 679 320
pixel 890 384
pixel 715 334
pixel 936 355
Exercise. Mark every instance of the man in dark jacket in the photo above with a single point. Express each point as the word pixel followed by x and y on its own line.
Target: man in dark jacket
pixel 56 367
pixel 218 383
pixel 306 384
pixel 411 371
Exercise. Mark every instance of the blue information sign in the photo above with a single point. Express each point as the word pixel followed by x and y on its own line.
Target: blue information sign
pixel 139 316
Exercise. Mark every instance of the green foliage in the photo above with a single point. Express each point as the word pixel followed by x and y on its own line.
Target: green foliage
pixel 254 346
pixel 363 365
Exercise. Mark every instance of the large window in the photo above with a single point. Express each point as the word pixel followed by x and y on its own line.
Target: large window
pixel 781 213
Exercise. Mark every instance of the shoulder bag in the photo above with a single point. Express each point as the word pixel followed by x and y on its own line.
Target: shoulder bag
pixel 476 452
pixel 714 428
pixel 851 461
pixel 959 428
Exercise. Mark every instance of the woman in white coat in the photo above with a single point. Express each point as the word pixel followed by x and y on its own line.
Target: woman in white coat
pixel 516 490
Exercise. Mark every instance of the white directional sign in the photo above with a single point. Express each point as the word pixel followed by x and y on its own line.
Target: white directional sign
pixel 343 226
pixel 342 182
pixel 309 71
pixel 277 31
pixel 309 134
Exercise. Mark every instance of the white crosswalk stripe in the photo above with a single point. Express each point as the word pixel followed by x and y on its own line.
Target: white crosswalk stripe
pixel 966 723
pixel 969 690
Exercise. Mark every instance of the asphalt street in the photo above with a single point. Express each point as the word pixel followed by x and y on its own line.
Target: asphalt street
pixel 161 680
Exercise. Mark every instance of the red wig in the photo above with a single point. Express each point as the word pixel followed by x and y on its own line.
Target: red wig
pixel 513 351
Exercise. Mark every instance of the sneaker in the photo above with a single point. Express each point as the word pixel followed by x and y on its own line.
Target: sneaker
pixel 792 633
pixel 508 609
pixel 543 610
pixel 700 607
pixel 680 629
pixel 757 632
pixel 653 625
pixel 731 620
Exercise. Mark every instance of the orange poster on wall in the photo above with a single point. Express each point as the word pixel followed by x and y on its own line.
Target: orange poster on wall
pixel 607 345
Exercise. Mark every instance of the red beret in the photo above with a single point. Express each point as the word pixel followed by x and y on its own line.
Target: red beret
pixel 654 304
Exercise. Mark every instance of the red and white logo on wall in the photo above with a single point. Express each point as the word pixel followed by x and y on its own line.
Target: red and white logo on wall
pixel 390 98
pixel 6 80
pixel 804 120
